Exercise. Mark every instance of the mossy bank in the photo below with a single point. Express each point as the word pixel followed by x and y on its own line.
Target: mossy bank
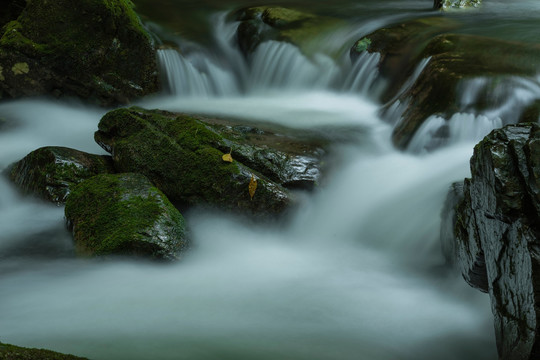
pixel 97 50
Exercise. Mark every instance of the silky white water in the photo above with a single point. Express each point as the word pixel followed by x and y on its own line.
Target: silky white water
pixel 355 273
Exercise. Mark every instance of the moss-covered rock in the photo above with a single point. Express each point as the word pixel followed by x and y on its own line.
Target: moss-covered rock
pixel 124 214
pixel 50 172
pixel 12 352
pixel 96 50
pixel 264 23
pixel 184 158
pixel 456 4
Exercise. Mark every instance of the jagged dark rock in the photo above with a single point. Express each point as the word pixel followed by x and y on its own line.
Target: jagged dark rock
pixel 497 232
pixel 50 172
pixel 124 214
pixel 98 51
pixel 183 157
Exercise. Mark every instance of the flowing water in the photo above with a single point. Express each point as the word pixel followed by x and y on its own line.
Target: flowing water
pixel 355 273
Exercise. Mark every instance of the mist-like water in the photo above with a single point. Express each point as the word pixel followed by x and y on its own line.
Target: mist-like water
pixel 355 273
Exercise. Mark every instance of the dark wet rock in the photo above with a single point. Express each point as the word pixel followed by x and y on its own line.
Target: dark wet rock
pixel 455 4
pixel 292 158
pixel 50 172
pixel 460 247
pixel 183 157
pixel 124 214
pixel 531 113
pixel 12 352
pixel 264 23
pixel 97 50
pixel 497 227
pixel 11 9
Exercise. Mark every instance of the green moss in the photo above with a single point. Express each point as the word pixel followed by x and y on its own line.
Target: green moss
pixel 282 17
pixel 12 352
pixel 181 155
pixel 49 172
pixel 362 45
pixel 118 214
pixel 13 38
pixel 98 44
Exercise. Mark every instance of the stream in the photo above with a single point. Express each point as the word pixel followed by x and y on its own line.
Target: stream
pixel 355 273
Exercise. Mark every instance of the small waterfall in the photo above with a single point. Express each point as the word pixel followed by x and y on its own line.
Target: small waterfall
pixel 274 65
pixel 393 113
pixel 505 97
pixel 197 76
pixel 280 65
pixel 363 74
pixel 436 131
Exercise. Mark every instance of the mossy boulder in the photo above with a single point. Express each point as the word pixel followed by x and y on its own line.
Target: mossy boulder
pixel 258 24
pixel 456 4
pixel 184 158
pixel 50 172
pixel 124 214
pixel 97 50
pixel 12 352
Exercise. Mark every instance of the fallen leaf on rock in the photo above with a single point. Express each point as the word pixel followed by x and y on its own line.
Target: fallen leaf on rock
pixel 252 186
pixel 228 157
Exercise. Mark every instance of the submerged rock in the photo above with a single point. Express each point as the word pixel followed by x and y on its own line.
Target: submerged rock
pixel 124 214
pixel 264 23
pixel 12 352
pixel 97 50
pixel 497 232
pixel 50 172
pixel 184 158
pixel 452 59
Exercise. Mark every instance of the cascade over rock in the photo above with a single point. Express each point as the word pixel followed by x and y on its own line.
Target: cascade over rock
pixel 124 214
pixel 496 222
pixel 452 59
pixel 97 50
pixel 50 172
pixel 183 157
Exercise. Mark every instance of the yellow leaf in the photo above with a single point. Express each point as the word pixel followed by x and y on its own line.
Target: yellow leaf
pixel 227 157
pixel 252 186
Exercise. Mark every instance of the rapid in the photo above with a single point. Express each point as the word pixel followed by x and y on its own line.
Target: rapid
pixel 355 273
